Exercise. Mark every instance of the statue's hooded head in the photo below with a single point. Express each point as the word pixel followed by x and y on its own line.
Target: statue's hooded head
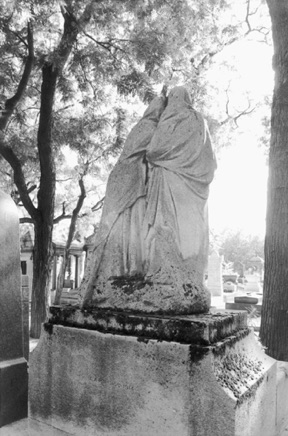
pixel 179 96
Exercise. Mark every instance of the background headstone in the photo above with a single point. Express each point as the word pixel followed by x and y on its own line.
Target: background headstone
pixel 25 314
pixel 13 365
pixel 215 281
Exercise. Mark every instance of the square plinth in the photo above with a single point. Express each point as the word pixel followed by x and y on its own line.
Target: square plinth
pixel 87 382
pixel 202 329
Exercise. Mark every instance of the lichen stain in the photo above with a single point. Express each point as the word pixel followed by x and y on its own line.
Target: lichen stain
pixel 48 327
pixel 130 284
pixel 237 372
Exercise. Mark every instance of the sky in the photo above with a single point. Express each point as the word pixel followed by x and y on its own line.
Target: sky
pixel 238 193
pixel 237 198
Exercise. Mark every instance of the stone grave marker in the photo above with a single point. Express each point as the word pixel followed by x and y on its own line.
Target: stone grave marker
pixel 13 365
pixel 215 281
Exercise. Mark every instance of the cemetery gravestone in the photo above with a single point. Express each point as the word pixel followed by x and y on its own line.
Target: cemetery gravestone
pixel 215 281
pixel 13 365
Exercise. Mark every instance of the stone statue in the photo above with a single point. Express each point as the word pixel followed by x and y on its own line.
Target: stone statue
pixel 152 244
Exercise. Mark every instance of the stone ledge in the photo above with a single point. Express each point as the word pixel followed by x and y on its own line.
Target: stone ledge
pixel 201 329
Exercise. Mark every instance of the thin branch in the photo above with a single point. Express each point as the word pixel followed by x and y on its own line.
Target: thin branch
pixel 61 217
pixel 247 16
pixel 107 45
pixel 64 108
pixel 245 112
pixel 98 205
pixel 240 114
pixel 19 37
pixel 25 220
pixel 64 180
pixel 93 160
pixel 86 78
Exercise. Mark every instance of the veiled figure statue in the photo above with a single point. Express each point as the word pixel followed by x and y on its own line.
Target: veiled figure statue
pixel 152 244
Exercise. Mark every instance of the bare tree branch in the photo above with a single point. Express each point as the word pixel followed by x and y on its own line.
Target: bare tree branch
pixel 244 112
pixel 235 118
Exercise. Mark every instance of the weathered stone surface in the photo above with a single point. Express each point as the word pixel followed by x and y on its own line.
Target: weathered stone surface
pixel 84 381
pixel 282 398
pixel 11 337
pixel 201 329
pixel 152 246
pixel 13 367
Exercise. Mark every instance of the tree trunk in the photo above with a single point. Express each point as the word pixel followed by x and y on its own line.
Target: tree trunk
pixel 42 257
pixel 43 225
pixel 274 322
pixel 61 277
pixel 46 193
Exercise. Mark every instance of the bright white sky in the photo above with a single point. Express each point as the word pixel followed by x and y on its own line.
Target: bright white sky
pixel 238 192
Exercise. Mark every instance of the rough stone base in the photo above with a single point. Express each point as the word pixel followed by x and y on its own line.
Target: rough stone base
pixel 282 398
pixel 87 382
pixel 13 390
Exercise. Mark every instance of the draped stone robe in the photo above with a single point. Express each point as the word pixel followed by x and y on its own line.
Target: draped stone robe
pixel 151 247
pixel 182 165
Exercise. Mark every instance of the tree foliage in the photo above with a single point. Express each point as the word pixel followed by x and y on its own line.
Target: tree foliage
pixel 237 247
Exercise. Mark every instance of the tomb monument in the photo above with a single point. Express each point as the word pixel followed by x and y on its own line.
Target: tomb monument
pixel 142 353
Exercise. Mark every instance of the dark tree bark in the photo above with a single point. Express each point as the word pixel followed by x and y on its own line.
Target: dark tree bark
pixel 274 323
pixel 43 225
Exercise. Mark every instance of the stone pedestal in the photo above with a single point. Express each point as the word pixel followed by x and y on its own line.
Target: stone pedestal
pixel 109 373
pixel 13 365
